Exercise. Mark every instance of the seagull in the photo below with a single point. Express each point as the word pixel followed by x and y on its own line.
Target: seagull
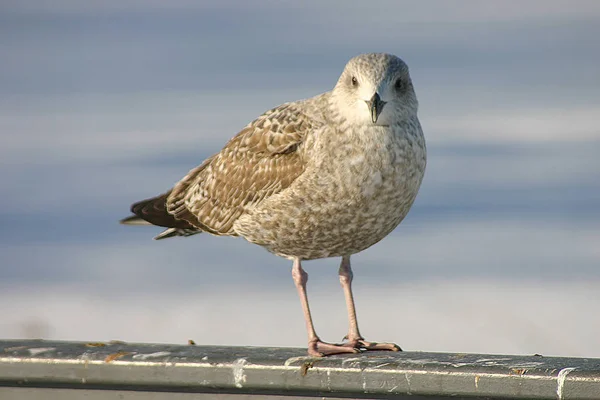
pixel 327 176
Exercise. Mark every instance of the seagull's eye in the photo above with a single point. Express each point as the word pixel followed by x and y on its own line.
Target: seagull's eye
pixel 399 85
pixel 354 81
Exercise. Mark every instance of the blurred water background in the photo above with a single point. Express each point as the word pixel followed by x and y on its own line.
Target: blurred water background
pixel 103 103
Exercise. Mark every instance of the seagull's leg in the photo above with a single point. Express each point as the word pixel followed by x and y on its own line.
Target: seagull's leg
pixel 316 347
pixel 355 340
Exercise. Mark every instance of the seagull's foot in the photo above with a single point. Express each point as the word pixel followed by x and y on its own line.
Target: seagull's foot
pixel 361 343
pixel 318 348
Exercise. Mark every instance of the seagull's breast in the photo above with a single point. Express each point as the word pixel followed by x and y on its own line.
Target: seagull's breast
pixel 357 187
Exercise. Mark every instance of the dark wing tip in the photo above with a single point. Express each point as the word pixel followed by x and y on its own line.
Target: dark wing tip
pixel 153 211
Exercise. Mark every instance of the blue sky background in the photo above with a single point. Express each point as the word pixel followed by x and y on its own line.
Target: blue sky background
pixel 104 103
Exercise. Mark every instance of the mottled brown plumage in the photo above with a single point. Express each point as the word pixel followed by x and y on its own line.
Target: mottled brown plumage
pixel 323 177
pixel 261 160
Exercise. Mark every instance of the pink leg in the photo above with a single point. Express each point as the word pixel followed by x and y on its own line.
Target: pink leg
pixel 355 340
pixel 316 347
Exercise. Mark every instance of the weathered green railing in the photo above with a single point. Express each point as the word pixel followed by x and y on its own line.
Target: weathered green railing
pixel 50 370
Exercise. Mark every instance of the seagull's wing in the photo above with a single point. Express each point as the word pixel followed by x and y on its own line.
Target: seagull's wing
pixel 261 160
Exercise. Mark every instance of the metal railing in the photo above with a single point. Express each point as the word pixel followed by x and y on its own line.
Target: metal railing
pixel 49 370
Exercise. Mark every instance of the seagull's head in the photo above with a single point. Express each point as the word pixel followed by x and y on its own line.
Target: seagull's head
pixel 375 89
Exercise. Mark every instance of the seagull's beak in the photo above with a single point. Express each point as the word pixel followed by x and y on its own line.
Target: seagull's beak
pixel 375 106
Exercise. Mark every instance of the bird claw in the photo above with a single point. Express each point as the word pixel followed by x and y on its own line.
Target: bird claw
pixel 362 344
pixel 319 348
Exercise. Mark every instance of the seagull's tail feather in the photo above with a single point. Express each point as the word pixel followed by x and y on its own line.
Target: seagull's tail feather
pixel 173 232
pixel 153 211
pixel 134 220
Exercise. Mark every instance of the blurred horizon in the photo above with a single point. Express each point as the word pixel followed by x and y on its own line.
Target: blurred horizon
pixel 106 103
